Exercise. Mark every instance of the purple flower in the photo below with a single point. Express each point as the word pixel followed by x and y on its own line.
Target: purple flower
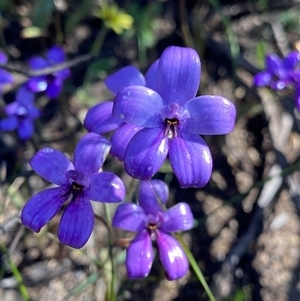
pixel 154 224
pixel 99 119
pixel 279 72
pixel 52 83
pixel 79 182
pixel 172 119
pixel 5 76
pixel 21 114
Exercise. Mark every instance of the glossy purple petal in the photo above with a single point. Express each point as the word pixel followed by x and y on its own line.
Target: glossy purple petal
pixel 138 105
pixel 178 74
pixel 54 88
pixel 77 222
pixel 139 256
pixel 56 55
pixel 90 153
pixel 9 124
pixel 152 194
pixel 121 138
pixel 41 208
pixel 172 256
pixel 106 187
pixel 210 115
pixel 25 128
pixel 24 95
pixel 37 63
pixel 127 76
pixel 177 218
pixel 151 76
pixel 3 58
pixel 99 118
pixel 5 77
pixel 37 84
pixel 262 79
pixel 190 159
pixel 129 217
pixel 145 153
pixel 51 165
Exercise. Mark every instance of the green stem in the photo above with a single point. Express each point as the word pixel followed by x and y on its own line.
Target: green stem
pixel 99 41
pixel 112 295
pixel 196 268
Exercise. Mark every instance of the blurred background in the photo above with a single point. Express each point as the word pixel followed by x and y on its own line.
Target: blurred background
pixel 246 235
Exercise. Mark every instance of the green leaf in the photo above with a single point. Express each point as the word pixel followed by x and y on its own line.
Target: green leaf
pixel 42 13
pixel 261 53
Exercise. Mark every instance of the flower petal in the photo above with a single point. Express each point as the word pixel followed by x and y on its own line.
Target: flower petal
pixel 177 218
pixel 3 58
pixel 106 187
pixel 274 64
pixel 56 55
pixel 262 79
pixel 172 256
pixel 24 95
pixel 77 222
pixel 90 153
pixel 54 88
pixel 51 165
pixel 138 105
pixel 145 153
pixel 291 60
pixel 152 194
pixel 5 77
pixel 151 76
pixel 127 76
pixel 129 217
pixel 37 63
pixel 25 128
pixel 139 256
pixel 37 84
pixel 41 208
pixel 190 159
pixel 63 74
pixel 121 138
pixel 9 124
pixel 178 74
pixel 210 115
pixel 99 118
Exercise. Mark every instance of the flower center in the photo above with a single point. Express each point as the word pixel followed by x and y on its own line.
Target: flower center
pixel 171 127
pixel 76 182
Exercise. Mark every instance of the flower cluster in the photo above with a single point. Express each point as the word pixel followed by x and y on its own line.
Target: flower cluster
pixel 281 73
pixel 154 224
pixel 79 182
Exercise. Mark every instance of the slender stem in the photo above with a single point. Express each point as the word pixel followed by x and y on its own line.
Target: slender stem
pixel 99 41
pixel 112 295
pixel 196 268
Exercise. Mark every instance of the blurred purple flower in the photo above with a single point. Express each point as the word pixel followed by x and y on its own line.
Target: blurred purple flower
pixel 154 224
pixel 5 76
pixel 21 114
pixel 172 119
pixel 78 184
pixel 279 72
pixel 99 118
pixel 52 83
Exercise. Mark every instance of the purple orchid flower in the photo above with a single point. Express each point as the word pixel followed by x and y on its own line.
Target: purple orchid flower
pixel 154 224
pixel 279 72
pixel 79 182
pixel 5 76
pixel 51 84
pixel 172 119
pixel 21 114
pixel 99 119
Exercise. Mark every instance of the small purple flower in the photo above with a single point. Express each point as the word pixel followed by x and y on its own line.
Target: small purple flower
pixel 172 119
pixel 279 72
pixel 21 114
pixel 5 76
pixel 99 119
pixel 154 224
pixel 52 83
pixel 79 182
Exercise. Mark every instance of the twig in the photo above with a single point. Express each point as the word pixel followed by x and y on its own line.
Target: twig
pixel 48 70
